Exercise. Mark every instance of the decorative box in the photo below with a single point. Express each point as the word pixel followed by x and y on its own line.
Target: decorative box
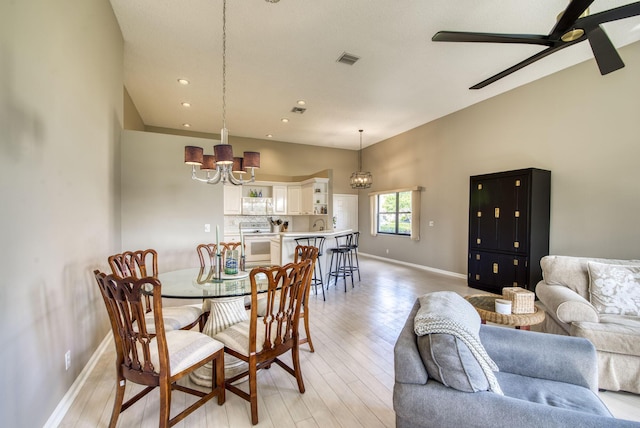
pixel 522 301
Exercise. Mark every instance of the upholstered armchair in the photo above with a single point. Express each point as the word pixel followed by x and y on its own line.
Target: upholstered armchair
pixel 597 299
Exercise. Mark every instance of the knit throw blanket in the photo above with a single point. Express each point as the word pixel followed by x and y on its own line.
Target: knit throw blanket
pixel 448 313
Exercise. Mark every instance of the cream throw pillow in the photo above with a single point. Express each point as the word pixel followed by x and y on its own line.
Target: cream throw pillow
pixel 614 289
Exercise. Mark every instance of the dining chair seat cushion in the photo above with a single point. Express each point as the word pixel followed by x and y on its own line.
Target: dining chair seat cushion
pixel 186 348
pixel 175 317
pixel 236 337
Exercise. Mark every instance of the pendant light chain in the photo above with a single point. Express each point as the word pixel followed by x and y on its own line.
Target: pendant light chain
pixel 224 68
pixel 360 154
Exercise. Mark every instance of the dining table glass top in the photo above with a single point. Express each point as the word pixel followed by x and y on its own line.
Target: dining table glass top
pixel 198 283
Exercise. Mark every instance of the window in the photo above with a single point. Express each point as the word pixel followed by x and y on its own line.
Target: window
pixel 394 213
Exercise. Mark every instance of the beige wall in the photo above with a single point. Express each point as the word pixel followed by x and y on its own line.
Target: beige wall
pixel 582 126
pixel 163 208
pixel 60 118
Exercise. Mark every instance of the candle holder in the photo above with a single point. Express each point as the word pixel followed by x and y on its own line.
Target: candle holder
pixel 217 277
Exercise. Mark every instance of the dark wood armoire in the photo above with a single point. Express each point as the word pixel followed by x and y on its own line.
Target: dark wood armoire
pixel 508 228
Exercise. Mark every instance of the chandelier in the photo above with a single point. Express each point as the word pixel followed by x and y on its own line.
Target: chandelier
pixel 361 179
pixel 222 166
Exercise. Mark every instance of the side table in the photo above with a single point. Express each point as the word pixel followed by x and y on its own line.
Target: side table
pixel 485 305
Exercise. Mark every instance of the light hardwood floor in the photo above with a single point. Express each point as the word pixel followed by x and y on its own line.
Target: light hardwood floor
pixel 349 378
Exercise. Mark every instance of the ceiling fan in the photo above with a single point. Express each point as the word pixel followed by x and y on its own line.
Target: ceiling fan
pixel 574 25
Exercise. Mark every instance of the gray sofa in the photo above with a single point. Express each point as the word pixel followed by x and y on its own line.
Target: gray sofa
pixel 547 381
pixel 586 297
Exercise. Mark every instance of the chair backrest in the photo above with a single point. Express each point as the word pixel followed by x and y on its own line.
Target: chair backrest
pixel 344 241
pixel 286 288
pixel 207 252
pixel 123 299
pixel 355 237
pixel 305 252
pixel 313 241
pixel 137 264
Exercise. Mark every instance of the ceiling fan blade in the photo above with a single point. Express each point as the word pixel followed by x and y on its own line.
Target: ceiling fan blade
pixel 521 64
pixel 615 14
pixel 604 52
pixel 569 17
pixel 465 36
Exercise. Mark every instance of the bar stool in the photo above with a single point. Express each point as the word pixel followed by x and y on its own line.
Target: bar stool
pixel 343 268
pixel 318 242
pixel 355 237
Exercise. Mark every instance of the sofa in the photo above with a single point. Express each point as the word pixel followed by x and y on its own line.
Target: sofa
pixel 544 380
pixel 597 299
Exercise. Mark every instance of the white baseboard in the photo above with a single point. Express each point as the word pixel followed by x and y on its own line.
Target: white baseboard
pixel 427 268
pixel 66 402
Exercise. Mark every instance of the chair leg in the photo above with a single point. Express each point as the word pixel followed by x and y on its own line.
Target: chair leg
pixel 296 368
pixel 321 281
pixel 165 404
pixel 218 375
pixel 306 329
pixel 357 263
pixel 253 390
pixel 117 405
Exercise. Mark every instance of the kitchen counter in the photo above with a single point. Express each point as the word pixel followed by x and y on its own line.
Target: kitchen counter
pixel 284 245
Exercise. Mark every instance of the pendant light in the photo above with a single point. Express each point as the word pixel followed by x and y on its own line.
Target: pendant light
pixel 361 179
pixel 222 162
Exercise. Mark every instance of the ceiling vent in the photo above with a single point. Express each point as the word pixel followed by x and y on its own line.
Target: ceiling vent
pixel 298 110
pixel 347 58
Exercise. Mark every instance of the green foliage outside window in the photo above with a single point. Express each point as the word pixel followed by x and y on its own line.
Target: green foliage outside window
pixel 394 213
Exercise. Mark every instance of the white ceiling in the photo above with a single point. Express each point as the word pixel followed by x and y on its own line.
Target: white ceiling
pixel 278 53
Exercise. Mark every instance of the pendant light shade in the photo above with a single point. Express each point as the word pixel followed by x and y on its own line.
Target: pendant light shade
pixel 361 179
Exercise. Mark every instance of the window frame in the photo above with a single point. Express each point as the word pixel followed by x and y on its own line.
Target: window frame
pixel 397 213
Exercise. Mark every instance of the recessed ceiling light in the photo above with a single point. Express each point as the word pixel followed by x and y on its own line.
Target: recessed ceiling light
pixel 185 104
pixel 301 102
pixel 284 120
pixel 269 136
pixel 186 125
pixel 183 81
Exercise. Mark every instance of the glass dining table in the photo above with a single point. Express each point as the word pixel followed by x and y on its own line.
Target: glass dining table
pixel 224 297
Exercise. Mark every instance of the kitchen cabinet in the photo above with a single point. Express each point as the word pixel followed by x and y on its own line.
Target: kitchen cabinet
pixel 293 199
pixel 232 199
pixel 279 200
pixel 314 194
pixel 508 228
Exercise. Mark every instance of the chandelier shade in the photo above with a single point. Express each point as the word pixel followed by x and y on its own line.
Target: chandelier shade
pixel 208 163
pixel 361 179
pixel 222 162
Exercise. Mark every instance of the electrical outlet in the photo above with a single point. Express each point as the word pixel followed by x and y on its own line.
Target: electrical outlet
pixel 387 251
pixel 67 360
pixel 207 227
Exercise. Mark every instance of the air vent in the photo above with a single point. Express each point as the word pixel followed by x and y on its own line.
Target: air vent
pixel 347 58
pixel 298 110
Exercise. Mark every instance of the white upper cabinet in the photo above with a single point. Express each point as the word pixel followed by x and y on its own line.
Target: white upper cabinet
pixel 293 199
pixel 279 195
pixel 232 200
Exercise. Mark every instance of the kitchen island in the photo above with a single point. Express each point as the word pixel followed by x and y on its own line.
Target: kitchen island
pixel 284 245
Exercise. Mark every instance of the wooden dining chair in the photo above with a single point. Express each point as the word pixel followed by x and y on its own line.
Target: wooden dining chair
pixel 306 252
pixel 260 341
pixel 144 263
pixel 207 252
pixel 155 357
